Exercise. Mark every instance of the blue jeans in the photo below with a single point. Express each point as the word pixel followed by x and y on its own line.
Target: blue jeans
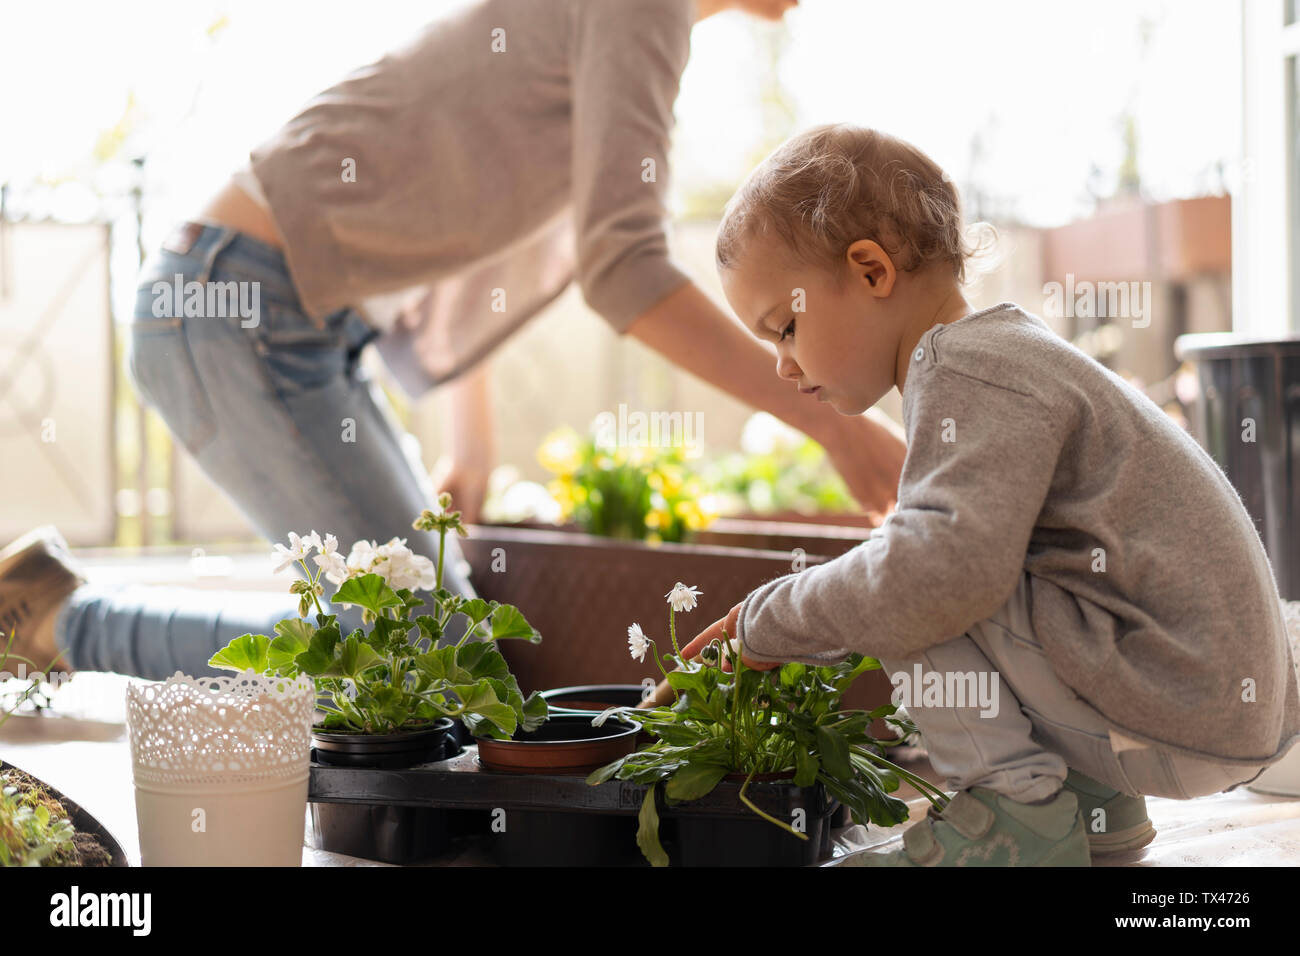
pixel 277 412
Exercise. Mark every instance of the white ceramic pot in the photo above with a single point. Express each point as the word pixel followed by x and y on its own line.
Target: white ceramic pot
pixel 220 767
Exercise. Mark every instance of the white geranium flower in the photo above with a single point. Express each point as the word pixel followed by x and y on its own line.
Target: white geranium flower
pixel 637 643
pixel 331 562
pixel 398 565
pixel 681 597
pixel 361 557
pixel 425 571
pixel 297 551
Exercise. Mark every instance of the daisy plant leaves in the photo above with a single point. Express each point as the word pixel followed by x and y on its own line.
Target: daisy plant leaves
pixel 647 834
pixel 787 722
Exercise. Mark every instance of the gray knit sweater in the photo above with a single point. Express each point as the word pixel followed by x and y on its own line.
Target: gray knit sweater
pixel 1024 454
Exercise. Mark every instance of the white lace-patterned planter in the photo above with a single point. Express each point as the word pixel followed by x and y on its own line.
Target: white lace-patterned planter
pixel 220 767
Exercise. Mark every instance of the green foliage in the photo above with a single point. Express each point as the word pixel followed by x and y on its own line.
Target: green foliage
pixel 781 721
pixel 636 492
pixel 795 474
pixel 396 676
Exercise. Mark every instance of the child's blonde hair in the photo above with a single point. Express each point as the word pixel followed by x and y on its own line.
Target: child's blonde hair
pixel 832 185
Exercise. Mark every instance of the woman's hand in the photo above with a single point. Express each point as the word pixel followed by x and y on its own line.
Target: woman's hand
pixel 714 632
pixel 868 451
pixel 467 483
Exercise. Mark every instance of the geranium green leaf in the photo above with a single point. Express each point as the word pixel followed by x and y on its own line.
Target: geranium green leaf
pixel 477 609
pixel 293 636
pixel 369 591
pixel 535 712
pixel 389 635
pixel 441 664
pixel 482 659
pixel 429 627
pixel 318 659
pixel 647 834
pixel 481 699
pixel 694 781
pixel 244 652
pixel 508 622
pixel 355 656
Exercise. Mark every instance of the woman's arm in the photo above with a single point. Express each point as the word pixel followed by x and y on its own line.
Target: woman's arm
pixel 687 328
pixel 471 441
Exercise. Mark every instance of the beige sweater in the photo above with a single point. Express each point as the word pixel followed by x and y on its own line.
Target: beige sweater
pixel 511 147
pixel 1024 454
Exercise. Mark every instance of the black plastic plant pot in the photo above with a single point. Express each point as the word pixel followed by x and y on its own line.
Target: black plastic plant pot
pixel 404 748
pixel 719 830
pixel 389 834
pixel 565 744
pixel 594 698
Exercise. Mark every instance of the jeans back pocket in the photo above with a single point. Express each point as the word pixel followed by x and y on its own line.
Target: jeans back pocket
pixel 162 370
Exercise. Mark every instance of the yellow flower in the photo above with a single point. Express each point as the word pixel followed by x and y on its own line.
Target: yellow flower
pixel 561 451
pixel 561 489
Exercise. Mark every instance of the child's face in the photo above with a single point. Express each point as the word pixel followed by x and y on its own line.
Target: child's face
pixel 840 340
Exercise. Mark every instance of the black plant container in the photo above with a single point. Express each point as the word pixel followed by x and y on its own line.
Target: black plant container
pixel 593 698
pixel 527 819
pixel 718 830
pixel 380 831
pixel 401 749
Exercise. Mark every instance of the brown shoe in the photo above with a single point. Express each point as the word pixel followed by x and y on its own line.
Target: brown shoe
pixel 37 574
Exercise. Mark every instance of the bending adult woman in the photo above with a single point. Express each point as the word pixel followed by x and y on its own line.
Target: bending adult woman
pixel 431 202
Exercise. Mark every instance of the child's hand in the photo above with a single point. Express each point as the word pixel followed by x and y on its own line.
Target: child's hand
pixel 714 632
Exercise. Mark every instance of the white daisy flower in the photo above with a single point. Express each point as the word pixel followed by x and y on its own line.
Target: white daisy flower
pixel 637 643
pixel 682 598
pixel 297 551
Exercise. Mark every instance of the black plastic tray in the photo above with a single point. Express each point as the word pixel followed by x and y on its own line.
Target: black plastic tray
pixel 539 819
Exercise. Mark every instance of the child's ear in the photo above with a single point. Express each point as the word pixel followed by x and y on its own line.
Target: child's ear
pixel 870 264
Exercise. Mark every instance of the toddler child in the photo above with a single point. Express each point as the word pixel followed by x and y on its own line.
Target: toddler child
pixel 1058 540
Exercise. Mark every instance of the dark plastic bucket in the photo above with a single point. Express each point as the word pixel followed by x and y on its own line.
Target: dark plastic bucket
pixel 1258 379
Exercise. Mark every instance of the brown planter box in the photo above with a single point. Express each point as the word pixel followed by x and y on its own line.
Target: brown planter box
pixel 581 592
pixel 826 540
